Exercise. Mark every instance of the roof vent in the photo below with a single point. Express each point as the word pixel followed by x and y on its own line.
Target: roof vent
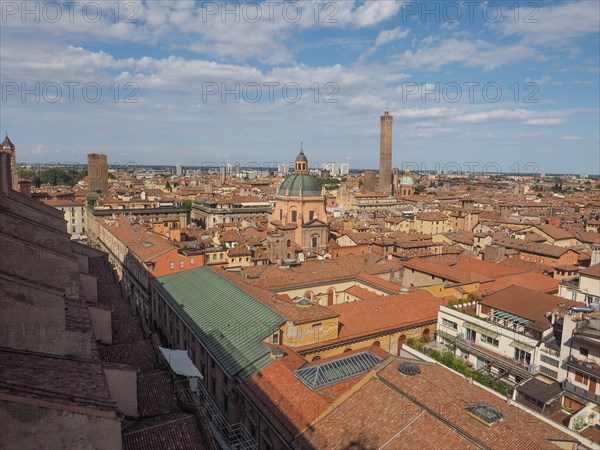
pixel 277 353
pixel 304 302
pixel 409 369
pixel 561 305
pixel 404 290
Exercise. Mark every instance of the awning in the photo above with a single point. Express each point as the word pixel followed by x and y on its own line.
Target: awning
pixel 522 346
pixel 180 363
pixel 492 331
pixel 539 390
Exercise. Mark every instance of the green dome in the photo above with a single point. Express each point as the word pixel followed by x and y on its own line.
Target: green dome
pixel 300 184
pixel 301 156
pixel 406 180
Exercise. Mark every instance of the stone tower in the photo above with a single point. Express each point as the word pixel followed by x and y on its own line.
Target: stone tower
pixel 98 173
pixel 385 154
pixel 8 147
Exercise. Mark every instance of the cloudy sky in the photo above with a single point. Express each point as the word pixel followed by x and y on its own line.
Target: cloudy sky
pixel 473 85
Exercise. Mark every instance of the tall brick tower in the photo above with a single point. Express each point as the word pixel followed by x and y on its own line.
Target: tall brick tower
pixel 385 154
pixel 98 173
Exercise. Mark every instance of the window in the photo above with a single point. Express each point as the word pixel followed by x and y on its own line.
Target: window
pixel 191 261
pixel 294 216
pixel 317 325
pixel 582 378
pixel 275 338
pixel 171 265
pixel 548 360
pixel 549 372
pixel 311 215
pixel 489 340
pixel 449 324
pixel 315 241
pixel 584 351
pixel 522 356
pixel 181 264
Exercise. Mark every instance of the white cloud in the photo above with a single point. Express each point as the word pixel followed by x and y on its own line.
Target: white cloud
pixel 386 36
pixel 476 53
pixel 554 26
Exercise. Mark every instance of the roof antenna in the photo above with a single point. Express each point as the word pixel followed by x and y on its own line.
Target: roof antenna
pixel 301 149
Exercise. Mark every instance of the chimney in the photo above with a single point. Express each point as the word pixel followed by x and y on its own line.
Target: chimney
pixel 25 187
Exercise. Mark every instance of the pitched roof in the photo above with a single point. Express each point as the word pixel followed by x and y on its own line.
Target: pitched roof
pixel 377 314
pixel 230 322
pixel 592 271
pixel 528 304
pixel 57 379
pixel 171 431
pixel 427 410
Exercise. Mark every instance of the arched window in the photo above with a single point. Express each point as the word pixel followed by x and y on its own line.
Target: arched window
pixel 425 334
pixel 315 240
pixel 288 243
pixel 330 296
pixel 401 341
pixel 316 358
pixel 308 294
pixel 348 350
pixel 377 344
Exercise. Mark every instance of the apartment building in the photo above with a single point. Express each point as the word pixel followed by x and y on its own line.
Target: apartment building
pixel 75 215
pixel 584 288
pixel 511 334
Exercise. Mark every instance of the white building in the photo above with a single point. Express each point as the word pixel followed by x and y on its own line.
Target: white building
pixel 344 169
pixel 75 216
pixel 511 334
pixel 283 168
pixel 584 288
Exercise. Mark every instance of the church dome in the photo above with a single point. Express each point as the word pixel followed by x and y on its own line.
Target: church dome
pixel 301 157
pixel 406 180
pixel 300 184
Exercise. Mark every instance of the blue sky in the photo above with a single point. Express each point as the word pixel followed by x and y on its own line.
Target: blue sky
pixel 168 82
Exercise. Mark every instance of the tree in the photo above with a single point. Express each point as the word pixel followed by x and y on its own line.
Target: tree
pixel 168 186
pixel 419 188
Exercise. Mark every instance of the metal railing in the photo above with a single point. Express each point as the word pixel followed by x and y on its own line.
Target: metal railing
pixel 229 436
pixel 580 392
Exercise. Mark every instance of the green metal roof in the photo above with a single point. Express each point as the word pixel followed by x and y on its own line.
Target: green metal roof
pixel 230 322
pixel 300 184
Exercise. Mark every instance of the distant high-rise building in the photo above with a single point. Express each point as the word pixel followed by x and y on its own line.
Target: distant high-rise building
pixel 178 170
pixel 8 147
pixel 333 168
pixel 385 154
pixel 98 173
pixel 344 169
pixel 283 168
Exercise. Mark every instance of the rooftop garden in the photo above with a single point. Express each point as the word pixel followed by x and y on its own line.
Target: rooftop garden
pixel 459 365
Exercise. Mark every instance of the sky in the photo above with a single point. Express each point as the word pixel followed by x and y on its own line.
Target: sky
pixel 490 86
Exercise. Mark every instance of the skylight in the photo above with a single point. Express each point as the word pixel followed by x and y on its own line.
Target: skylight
pixel 332 372
pixel 484 413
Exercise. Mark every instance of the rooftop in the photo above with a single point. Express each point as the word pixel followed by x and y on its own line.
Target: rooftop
pixel 229 321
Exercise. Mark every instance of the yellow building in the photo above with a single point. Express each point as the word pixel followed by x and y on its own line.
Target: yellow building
pixel 300 202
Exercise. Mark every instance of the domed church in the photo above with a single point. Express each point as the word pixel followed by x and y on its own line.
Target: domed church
pixel 300 205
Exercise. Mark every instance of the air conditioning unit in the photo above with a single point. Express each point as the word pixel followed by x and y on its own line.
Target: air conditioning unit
pixel 460 337
pixel 531 368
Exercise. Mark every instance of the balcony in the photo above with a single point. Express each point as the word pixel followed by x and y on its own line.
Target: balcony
pixel 580 392
pixel 589 367
pixel 507 363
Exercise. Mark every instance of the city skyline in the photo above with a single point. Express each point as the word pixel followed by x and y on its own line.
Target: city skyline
pixel 504 86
